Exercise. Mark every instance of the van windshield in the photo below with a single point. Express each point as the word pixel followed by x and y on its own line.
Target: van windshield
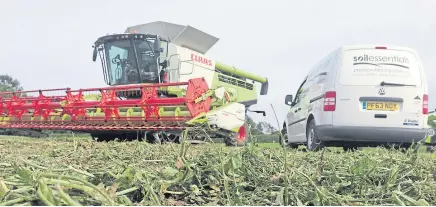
pixel 371 67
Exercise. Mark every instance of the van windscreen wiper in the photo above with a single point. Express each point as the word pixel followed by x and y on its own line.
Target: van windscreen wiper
pixel 394 84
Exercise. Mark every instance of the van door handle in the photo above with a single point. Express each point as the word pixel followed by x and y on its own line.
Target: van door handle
pixel 297 110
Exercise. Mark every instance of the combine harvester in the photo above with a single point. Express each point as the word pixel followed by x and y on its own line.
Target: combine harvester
pixel 161 84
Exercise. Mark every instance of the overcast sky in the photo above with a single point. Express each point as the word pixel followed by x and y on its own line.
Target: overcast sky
pixel 47 43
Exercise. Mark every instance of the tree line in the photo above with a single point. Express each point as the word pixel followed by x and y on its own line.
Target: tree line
pixel 261 128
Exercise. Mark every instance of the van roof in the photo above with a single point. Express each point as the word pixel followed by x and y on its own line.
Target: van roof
pixel 373 46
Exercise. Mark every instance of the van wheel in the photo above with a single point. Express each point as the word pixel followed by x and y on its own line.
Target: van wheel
pixel 313 143
pixel 430 149
pixel 350 148
pixel 285 139
pixel 402 147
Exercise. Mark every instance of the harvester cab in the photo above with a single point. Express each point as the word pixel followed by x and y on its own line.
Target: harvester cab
pixel 161 84
pixel 130 58
pixel 161 52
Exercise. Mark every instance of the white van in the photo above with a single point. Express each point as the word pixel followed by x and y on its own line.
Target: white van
pixel 360 95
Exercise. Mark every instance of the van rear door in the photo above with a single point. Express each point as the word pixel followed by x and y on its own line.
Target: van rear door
pixel 380 87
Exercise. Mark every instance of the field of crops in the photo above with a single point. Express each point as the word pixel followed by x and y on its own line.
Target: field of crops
pixel 73 171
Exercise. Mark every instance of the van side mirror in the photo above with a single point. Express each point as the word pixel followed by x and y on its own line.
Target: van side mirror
pixel 94 54
pixel 288 100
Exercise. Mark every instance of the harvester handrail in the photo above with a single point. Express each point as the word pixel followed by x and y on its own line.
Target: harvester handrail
pixel 32 91
pixel 130 86
pixel 36 99
pixel 127 103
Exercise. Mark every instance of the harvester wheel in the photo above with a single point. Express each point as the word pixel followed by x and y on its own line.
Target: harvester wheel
pixel 238 139
pixel 171 138
pixel 101 137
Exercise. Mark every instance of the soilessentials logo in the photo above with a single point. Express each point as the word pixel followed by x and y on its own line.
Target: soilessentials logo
pixel 379 60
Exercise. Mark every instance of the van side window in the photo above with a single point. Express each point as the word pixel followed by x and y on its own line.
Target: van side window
pixel 297 95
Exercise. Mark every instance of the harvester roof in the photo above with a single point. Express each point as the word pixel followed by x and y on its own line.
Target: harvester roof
pixel 184 36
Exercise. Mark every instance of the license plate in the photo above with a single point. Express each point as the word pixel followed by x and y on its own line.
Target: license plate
pixel 380 106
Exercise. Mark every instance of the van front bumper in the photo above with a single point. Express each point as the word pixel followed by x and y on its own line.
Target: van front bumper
pixel 370 134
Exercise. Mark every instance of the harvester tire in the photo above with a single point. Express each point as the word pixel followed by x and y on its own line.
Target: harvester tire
pixel 234 141
pixel 102 137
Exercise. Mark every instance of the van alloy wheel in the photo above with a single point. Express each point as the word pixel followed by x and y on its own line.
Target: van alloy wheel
pixel 313 143
pixel 284 136
pixel 310 137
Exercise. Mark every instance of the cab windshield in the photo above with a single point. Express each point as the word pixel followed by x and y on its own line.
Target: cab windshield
pixel 131 61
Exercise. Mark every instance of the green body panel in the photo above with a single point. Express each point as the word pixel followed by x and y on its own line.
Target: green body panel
pixel 239 72
pixel 244 74
pixel 239 90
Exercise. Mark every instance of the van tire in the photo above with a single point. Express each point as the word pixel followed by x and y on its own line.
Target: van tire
pixel 350 148
pixel 313 143
pixel 430 149
pixel 285 139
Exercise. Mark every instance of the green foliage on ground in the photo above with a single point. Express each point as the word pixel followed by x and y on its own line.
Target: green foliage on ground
pixel 69 171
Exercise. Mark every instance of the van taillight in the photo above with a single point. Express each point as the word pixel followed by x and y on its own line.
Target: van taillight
pixel 330 101
pixel 425 104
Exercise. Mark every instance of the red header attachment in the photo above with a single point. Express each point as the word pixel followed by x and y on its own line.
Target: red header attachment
pixel 153 108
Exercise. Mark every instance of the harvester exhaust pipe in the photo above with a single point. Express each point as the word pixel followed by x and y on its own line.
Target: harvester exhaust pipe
pixel 264 88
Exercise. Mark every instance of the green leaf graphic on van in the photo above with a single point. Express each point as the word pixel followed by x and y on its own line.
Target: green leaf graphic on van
pixel 363 63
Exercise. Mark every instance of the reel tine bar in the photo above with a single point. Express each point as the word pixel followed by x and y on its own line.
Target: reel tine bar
pixel 72 109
